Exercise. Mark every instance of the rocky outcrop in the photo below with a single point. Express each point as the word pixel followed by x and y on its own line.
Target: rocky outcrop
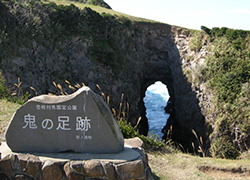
pixel 123 58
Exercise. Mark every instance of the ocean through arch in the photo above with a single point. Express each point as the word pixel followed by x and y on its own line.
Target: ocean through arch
pixel 155 100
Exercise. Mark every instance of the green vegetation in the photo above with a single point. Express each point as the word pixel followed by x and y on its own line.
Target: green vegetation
pixel 195 42
pixel 228 74
pixel 102 10
pixel 99 3
pixel 16 96
pixel 151 142
pixel 223 148
pixel 231 34
pixel 93 2
pixel 4 93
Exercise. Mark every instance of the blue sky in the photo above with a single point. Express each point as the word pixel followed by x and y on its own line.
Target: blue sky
pixel 189 13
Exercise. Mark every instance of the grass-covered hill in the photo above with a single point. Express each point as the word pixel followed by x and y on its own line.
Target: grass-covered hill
pixel 226 71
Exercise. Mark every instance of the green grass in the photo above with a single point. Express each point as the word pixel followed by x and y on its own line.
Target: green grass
pixel 102 10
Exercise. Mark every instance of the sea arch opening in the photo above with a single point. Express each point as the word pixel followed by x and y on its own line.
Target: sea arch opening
pixel 155 102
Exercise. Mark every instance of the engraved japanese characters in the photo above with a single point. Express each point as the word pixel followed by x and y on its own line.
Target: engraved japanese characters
pixel 80 122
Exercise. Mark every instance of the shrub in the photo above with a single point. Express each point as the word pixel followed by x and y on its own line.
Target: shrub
pixel 14 96
pixel 151 142
pixel 223 31
pixel 223 148
pixel 127 130
pixel 230 34
pixel 227 73
pixel 207 30
pixel 227 69
pixel 195 42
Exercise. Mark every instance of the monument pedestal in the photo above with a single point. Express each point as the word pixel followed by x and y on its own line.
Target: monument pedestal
pixel 131 163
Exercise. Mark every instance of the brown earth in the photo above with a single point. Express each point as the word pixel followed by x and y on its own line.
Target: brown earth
pixel 234 173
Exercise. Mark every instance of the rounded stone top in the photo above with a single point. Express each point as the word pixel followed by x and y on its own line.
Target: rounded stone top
pixel 50 99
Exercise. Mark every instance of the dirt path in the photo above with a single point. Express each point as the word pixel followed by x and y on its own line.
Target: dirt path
pixel 179 166
pixel 234 173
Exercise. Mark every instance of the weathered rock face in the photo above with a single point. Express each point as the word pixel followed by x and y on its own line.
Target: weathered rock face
pixel 148 52
pixel 80 122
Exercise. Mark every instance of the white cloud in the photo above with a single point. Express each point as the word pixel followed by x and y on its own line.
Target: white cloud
pixel 239 11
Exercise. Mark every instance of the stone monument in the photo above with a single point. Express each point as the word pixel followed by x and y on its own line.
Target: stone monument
pixel 73 137
pixel 80 122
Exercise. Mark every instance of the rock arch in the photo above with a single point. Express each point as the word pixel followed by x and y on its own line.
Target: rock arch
pixel 164 64
pixel 149 52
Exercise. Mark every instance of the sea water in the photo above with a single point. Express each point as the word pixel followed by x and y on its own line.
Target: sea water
pixel 155 101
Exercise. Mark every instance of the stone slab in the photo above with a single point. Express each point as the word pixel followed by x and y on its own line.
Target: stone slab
pixel 80 122
pixel 131 163
pixel 128 154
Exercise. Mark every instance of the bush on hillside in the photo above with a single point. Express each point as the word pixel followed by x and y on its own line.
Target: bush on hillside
pixel 231 34
pixel 207 30
pixel 227 73
pixel 195 42
pixel 223 148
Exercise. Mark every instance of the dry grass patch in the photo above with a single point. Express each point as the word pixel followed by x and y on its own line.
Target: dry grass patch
pixel 6 111
pixel 184 166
